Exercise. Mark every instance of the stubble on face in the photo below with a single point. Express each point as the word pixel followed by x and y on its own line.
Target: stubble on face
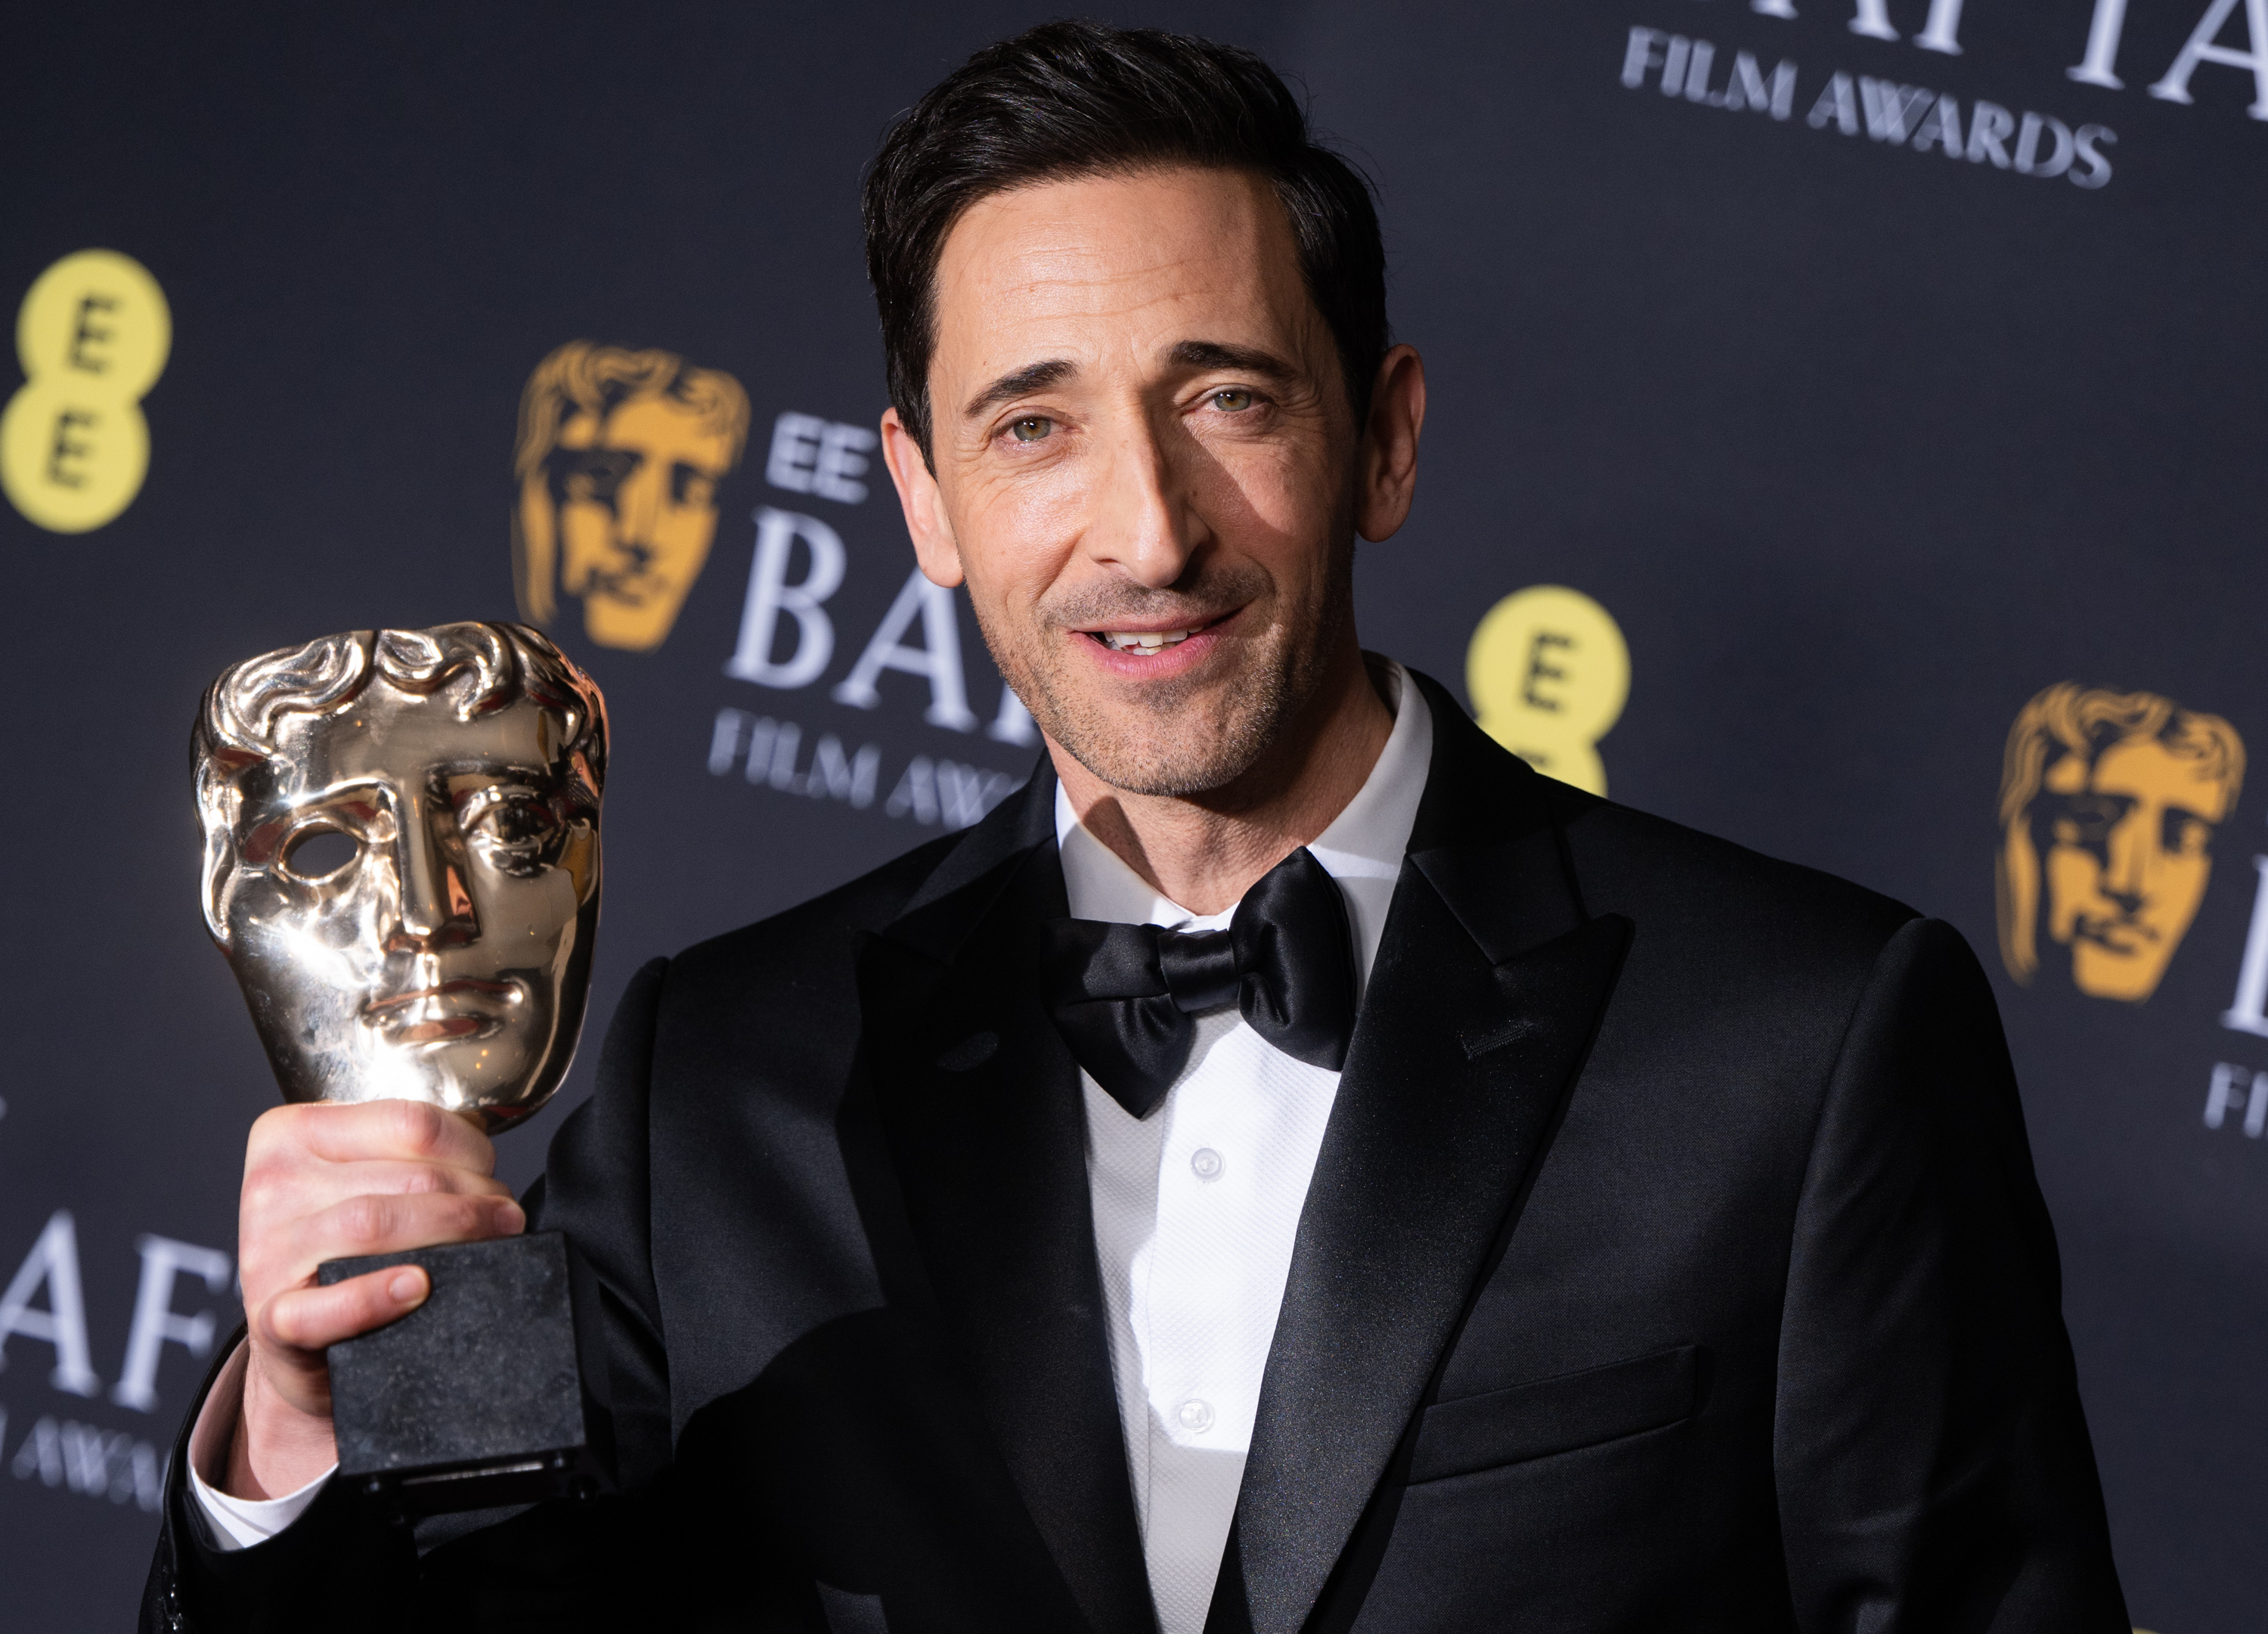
pixel 1193 735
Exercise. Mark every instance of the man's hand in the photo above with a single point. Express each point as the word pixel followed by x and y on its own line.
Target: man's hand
pixel 328 1182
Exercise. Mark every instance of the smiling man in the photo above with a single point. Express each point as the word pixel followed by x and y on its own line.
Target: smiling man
pixel 1293 1166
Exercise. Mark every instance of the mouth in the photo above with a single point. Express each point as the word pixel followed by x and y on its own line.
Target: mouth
pixel 379 1007
pixel 1147 643
pixel 1150 645
pixel 451 1009
pixel 2124 937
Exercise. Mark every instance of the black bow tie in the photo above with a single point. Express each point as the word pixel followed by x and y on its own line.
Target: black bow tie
pixel 1122 995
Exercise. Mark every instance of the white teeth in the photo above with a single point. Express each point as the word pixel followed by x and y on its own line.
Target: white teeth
pixel 1144 641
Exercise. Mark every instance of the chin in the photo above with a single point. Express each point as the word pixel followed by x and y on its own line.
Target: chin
pixel 1175 770
pixel 498 1071
pixel 2108 974
pixel 1185 739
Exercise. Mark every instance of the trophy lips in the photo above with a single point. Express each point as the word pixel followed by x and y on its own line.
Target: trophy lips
pixel 446 1012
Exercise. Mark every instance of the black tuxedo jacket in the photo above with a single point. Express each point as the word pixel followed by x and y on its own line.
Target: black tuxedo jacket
pixel 1673 1262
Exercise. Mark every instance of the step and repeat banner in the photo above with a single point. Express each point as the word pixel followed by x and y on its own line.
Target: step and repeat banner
pixel 1849 434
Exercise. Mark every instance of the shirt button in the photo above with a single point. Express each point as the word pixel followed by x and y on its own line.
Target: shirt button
pixel 1205 1162
pixel 1196 1417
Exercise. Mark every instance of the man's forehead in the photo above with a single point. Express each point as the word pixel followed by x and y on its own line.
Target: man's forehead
pixel 388 734
pixel 1082 268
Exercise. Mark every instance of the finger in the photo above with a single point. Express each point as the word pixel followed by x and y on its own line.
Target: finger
pixel 278 1194
pixel 309 1318
pixel 359 1131
pixel 388 1224
pixel 330 1183
pixel 280 1200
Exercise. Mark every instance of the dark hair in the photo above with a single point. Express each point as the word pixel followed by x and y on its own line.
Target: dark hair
pixel 1076 98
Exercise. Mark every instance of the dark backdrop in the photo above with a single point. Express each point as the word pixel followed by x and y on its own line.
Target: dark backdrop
pixel 1861 446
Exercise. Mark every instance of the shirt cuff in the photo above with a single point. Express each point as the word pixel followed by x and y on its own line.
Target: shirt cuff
pixel 234 1523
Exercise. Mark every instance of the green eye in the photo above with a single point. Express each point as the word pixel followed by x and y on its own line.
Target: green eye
pixel 1235 400
pixel 1032 428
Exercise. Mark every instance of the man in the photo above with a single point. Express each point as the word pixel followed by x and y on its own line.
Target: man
pixel 620 455
pixel 2110 800
pixel 1483 1208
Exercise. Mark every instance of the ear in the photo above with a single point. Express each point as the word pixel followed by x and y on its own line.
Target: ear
pixel 2017 880
pixel 219 875
pixel 1388 462
pixel 920 498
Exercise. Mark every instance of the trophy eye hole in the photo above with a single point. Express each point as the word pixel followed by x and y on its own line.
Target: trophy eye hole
pixel 319 853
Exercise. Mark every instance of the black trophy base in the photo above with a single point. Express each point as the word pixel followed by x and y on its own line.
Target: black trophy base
pixel 479 1397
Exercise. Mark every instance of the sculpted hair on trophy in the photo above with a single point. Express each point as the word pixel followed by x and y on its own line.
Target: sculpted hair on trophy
pixel 1073 100
pixel 479 667
pixel 475 667
pixel 2069 720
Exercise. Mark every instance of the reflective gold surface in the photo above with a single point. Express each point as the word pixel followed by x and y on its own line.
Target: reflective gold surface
pixel 401 861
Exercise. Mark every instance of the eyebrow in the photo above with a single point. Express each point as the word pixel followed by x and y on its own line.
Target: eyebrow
pixel 1214 355
pixel 1185 355
pixel 1031 377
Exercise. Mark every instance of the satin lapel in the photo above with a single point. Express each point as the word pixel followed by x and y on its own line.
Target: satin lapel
pixel 979 1103
pixel 1486 991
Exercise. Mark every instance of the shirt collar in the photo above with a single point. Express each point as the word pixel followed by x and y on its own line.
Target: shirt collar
pixel 1365 842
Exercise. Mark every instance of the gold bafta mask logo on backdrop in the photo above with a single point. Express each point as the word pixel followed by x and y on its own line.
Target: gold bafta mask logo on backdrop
pixel 620 455
pixel 2107 805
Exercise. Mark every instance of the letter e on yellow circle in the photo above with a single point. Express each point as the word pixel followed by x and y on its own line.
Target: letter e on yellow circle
pixel 1548 671
pixel 93 336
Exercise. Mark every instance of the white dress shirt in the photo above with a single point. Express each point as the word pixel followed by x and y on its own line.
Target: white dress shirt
pixel 1196 1206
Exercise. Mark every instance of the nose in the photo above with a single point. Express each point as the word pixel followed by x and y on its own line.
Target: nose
pixel 1146 525
pixel 637 502
pixel 2126 877
pixel 436 906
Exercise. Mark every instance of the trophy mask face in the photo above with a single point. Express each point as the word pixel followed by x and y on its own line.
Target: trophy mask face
pixel 402 867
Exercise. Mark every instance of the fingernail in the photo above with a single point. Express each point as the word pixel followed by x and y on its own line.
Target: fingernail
pixel 512 1216
pixel 407 1286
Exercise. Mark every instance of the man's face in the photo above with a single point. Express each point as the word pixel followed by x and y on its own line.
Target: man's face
pixel 1144 467
pixel 411 914
pixel 636 503
pixel 2127 857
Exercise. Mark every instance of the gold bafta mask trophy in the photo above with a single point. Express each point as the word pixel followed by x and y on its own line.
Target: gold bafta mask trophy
pixel 401 866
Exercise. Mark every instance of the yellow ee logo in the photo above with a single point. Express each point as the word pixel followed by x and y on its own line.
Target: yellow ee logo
pixel 1548 671
pixel 93 336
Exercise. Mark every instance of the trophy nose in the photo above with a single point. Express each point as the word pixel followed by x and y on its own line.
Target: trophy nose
pixel 436 905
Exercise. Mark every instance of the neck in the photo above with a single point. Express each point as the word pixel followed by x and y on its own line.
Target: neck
pixel 1205 851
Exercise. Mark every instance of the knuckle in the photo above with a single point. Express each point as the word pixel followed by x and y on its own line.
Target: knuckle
pixel 425 1178
pixel 257 1200
pixel 278 1323
pixel 365 1220
pixel 275 1128
pixel 474 1217
pixel 269 1193
pixel 416 1125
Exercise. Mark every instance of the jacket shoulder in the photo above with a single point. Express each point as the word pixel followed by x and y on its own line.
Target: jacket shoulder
pixel 1685 883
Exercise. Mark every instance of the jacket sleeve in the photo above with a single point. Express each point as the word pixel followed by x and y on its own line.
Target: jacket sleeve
pixel 1931 1457
pixel 344 1566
